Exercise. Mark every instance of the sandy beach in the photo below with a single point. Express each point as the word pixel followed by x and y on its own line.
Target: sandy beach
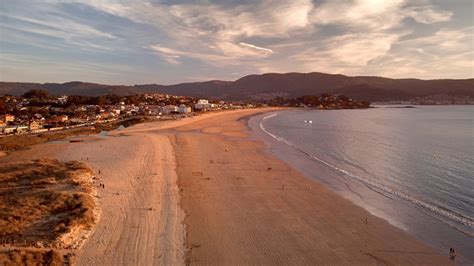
pixel 200 191
pixel 140 221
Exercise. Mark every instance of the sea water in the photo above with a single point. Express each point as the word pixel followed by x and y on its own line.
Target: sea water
pixel 411 166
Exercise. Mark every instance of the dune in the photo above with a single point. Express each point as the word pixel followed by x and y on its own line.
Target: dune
pixel 46 210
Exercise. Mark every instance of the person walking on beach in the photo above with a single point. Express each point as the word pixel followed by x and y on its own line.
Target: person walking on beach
pixel 452 253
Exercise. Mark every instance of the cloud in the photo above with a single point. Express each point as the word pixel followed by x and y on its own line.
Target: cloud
pixel 371 26
pixel 376 14
pixel 265 50
pixel 360 14
pixel 357 37
pixel 218 33
pixel 350 50
pixel 446 54
pixel 264 18
pixel 173 56
pixel 428 14
pixel 221 53
pixel 241 50
pixel 56 26
pixel 50 23
pixel 170 55
pixel 371 34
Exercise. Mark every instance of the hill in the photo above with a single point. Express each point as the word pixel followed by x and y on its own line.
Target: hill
pixel 269 86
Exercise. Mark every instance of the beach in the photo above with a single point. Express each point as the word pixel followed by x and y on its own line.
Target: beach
pixel 202 191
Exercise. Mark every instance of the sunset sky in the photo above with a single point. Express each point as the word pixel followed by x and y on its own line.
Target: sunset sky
pixel 151 41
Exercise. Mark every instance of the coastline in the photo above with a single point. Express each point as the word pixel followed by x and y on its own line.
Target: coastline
pixel 245 206
pixel 202 190
pixel 398 211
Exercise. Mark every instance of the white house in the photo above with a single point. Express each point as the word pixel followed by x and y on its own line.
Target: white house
pixel 169 109
pixel 15 129
pixel 203 105
pixel 183 109
pixel 62 99
pixel 9 130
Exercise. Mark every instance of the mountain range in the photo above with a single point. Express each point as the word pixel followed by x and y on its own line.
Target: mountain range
pixel 269 86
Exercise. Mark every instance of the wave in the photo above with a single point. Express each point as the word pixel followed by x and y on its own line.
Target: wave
pixel 270 116
pixel 467 221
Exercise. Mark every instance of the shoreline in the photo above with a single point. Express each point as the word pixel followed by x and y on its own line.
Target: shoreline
pixel 398 211
pixel 244 206
pixel 239 204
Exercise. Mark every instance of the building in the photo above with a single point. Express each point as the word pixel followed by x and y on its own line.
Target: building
pixel 34 125
pixel 183 109
pixel 15 129
pixel 62 99
pixel 168 109
pixel 21 129
pixel 9 130
pixel 9 118
pixel 63 118
pixel 77 120
pixel 203 104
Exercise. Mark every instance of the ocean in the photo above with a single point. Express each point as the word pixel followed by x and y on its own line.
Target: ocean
pixel 411 166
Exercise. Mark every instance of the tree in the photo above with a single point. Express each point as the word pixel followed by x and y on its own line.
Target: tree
pixel 133 99
pixel 77 100
pixel 3 107
pixel 100 100
pixel 112 98
pixel 310 99
pixel 37 94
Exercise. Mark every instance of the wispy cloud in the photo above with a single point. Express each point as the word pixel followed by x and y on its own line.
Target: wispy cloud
pixel 428 14
pixel 56 26
pixel 446 54
pixel 265 50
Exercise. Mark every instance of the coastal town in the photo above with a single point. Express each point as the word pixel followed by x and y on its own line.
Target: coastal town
pixel 437 99
pixel 37 111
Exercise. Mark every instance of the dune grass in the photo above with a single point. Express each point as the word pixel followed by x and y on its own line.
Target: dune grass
pixel 41 201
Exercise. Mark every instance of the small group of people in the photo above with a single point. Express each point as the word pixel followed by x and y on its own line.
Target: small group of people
pixel 102 185
pixel 452 253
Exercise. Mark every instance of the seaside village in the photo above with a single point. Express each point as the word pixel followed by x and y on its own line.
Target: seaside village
pixel 30 115
pixel 37 111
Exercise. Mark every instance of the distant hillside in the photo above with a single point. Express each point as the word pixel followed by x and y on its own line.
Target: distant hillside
pixel 68 88
pixel 268 86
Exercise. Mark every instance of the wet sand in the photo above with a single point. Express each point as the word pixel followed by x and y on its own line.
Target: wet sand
pixel 200 191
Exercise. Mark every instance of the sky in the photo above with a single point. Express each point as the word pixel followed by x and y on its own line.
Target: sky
pixel 166 42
